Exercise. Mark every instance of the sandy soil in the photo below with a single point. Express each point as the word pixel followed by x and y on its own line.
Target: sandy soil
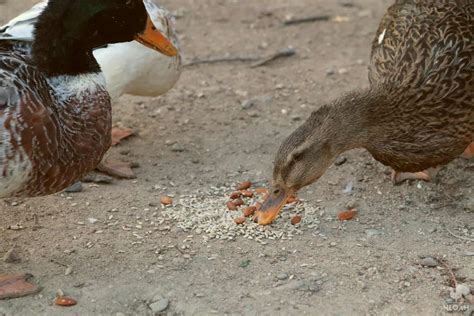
pixel 199 136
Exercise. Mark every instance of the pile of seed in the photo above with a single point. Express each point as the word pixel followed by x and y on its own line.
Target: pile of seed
pixel 207 214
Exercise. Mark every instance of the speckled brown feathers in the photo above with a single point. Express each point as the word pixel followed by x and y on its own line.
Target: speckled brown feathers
pixel 423 63
pixel 47 140
pixel 419 109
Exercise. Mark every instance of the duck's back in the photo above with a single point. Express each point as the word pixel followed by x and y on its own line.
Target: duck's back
pixel 423 42
pixel 422 66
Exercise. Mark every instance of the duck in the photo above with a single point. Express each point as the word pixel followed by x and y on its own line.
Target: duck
pixel 55 111
pixel 416 114
pixel 129 67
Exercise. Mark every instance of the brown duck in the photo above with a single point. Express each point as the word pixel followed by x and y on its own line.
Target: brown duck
pixel 418 112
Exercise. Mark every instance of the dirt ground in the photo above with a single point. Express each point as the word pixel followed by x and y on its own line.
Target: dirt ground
pixel 199 136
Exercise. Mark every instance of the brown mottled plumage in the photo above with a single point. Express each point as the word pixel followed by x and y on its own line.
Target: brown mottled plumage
pixel 55 113
pixel 48 140
pixel 418 111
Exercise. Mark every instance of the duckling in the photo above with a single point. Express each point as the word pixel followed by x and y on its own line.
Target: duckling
pixel 55 112
pixel 129 68
pixel 418 112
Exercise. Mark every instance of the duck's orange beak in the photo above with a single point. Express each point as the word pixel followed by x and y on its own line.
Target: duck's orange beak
pixel 152 38
pixel 272 205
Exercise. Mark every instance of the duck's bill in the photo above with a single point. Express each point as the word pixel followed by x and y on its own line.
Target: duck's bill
pixel 272 206
pixel 152 38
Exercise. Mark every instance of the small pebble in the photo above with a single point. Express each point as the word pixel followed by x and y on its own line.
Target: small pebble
pixel 92 220
pixel 178 148
pixel 340 161
pixel 282 276
pixel 463 289
pixel 11 256
pixel 75 188
pixel 98 178
pixel 160 305
pixel 247 104
pixel 429 262
pixel 372 233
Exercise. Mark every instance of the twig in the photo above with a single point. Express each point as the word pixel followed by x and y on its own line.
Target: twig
pixel 179 250
pixel 59 263
pixel 36 224
pixel 287 52
pixel 450 271
pixel 258 60
pixel 215 60
pixel 307 19
pixel 460 237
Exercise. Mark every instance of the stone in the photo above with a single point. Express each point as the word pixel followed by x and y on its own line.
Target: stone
pixel 340 161
pixel 429 262
pixel 159 305
pixel 75 188
pixel 282 276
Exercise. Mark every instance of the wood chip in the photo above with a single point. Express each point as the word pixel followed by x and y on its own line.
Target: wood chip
pixel 239 220
pixel 244 185
pixel 166 200
pixel 347 215
pixel 235 195
pixel 296 220
pixel 247 193
pixel 249 211
pixel 65 301
pixel 231 206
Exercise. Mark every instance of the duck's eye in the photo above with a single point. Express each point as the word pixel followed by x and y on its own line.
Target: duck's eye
pixel 297 156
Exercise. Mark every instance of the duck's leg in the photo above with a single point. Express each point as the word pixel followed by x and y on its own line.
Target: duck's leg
pixel 429 174
pixel 426 175
pixel 16 285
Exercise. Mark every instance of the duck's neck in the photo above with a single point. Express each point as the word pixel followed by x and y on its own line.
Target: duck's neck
pixel 57 52
pixel 348 122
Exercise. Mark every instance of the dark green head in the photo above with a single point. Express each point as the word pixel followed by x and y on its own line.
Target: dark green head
pixel 68 30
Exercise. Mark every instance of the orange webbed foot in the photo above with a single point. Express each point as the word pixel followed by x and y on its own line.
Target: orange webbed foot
pixel 426 175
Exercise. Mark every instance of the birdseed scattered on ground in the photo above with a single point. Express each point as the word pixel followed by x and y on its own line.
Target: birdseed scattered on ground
pixel 206 213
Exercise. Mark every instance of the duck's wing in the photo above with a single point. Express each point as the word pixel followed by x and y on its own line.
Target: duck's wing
pixel 21 27
pixel 419 39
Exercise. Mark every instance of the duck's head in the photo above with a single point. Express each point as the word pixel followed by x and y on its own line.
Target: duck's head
pixel 301 160
pixel 76 27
